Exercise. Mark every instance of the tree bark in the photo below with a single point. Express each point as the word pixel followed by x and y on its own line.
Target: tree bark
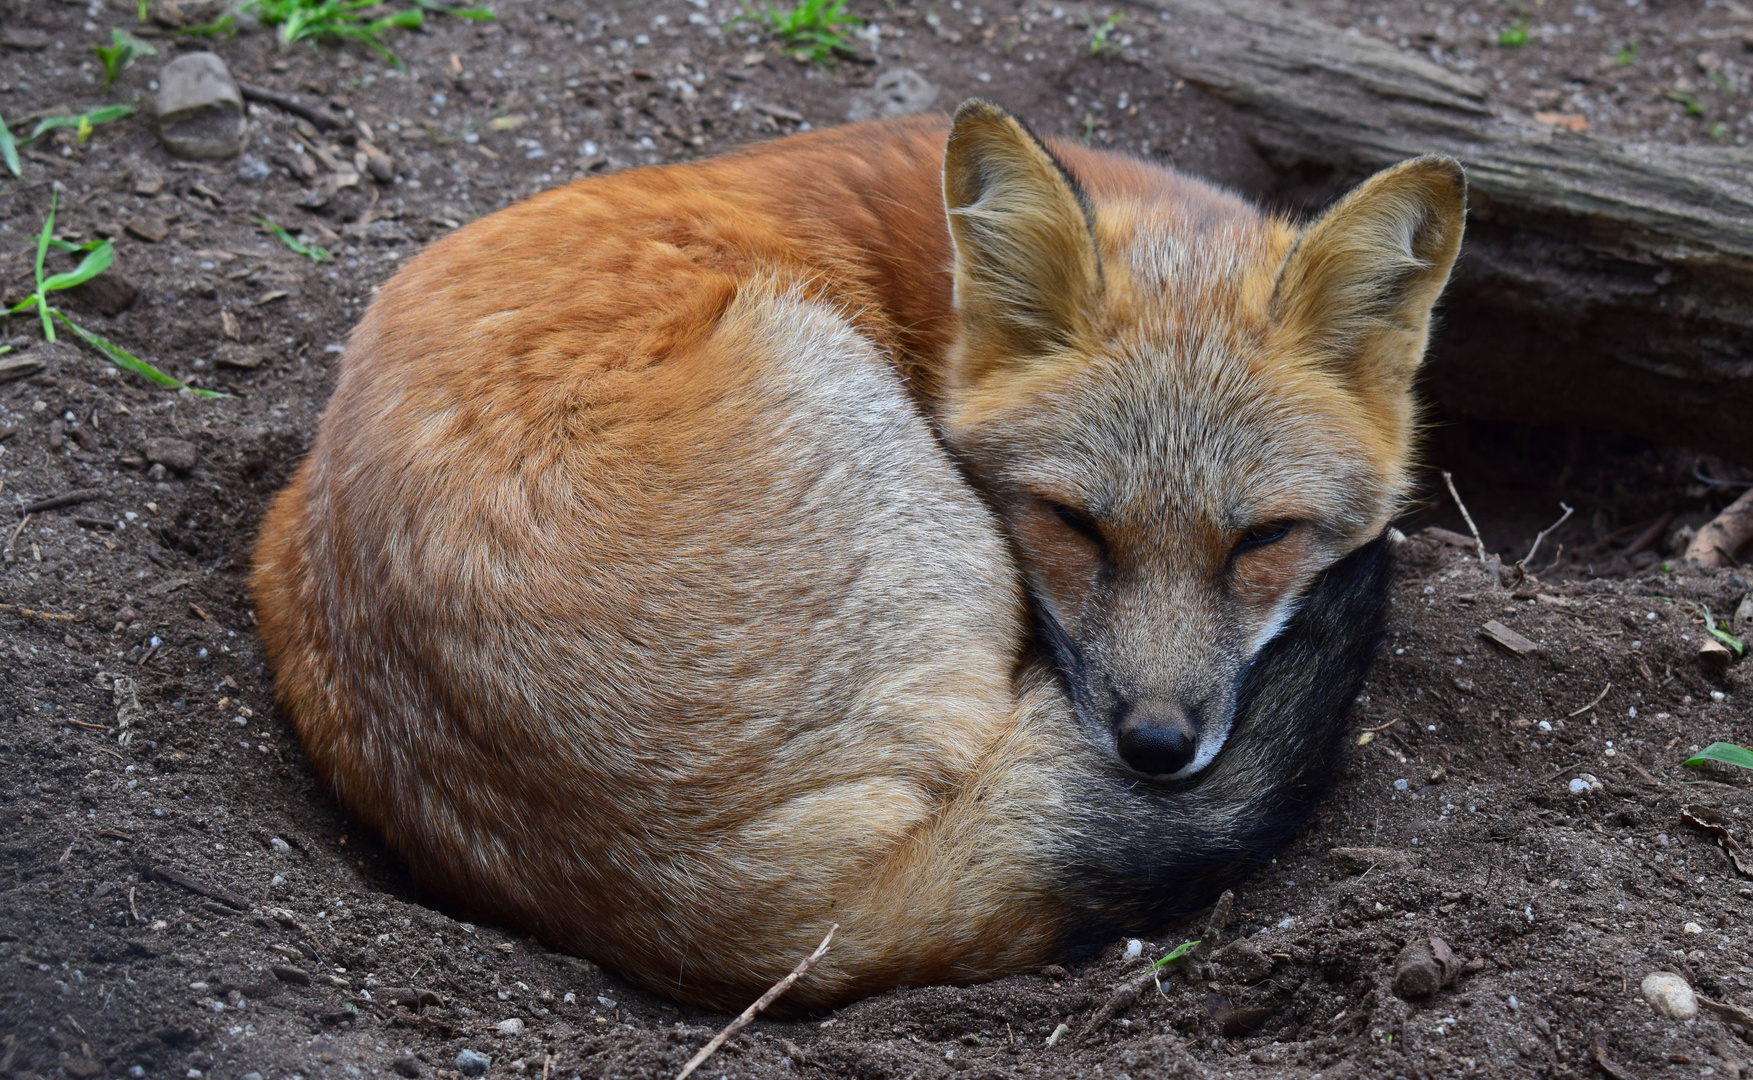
pixel 1604 283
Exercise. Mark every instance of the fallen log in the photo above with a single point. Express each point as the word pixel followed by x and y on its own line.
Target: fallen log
pixel 1604 283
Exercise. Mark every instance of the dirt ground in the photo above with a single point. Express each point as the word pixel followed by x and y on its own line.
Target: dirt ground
pixel 180 898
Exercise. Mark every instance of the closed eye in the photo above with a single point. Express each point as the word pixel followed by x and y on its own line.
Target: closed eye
pixel 1078 522
pixel 1260 535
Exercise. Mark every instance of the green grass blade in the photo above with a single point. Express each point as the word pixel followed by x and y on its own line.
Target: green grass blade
pixel 9 149
pixel 48 234
pixel 1727 753
pixel 1735 644
pixel 84 121
pixel 89 267
pixel 293 243
pixel 108 113
pixel 224 26
pixel 127 361
pixel 479 14
pixel 1177 953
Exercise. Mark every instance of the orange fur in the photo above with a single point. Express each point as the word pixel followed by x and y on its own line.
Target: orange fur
pixel 662 577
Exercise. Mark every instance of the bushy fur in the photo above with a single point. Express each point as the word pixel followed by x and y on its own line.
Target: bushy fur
pixel 669 573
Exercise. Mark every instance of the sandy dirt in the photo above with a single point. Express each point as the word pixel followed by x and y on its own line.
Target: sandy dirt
pixel 180 898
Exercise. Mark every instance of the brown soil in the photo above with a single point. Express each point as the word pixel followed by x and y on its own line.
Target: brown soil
pixel 178 893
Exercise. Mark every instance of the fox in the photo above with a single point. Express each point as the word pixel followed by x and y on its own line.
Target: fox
pixel 972 539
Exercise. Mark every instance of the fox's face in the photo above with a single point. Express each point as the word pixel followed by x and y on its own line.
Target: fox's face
pixel 1183 411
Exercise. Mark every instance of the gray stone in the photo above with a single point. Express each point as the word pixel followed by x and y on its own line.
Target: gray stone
pixel 1423 967
pixel 200 110
pixel 178 454
pixel 896 92
pixel 1670 995
pixel 472 1062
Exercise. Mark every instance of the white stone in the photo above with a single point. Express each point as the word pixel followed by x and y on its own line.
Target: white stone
pixel 1670 995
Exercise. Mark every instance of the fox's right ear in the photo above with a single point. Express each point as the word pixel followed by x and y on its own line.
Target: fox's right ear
pixel 1027 273
pixel 1356 291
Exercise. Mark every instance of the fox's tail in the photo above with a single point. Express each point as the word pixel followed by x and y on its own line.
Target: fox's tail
pixel 1138 856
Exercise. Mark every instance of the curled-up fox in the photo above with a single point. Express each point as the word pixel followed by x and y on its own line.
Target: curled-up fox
pixel 973 540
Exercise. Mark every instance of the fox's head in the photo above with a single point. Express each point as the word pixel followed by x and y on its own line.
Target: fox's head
pixel 1182 409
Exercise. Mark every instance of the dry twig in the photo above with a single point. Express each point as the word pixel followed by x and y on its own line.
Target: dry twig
pixel 1522 563
pixel 1478 544
pixel 754 1010
pixel 33 613
pixel 1591 704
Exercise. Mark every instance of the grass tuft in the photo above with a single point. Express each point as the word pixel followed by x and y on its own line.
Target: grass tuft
pixel 99 254
pixel 815 30
pixel 293 243
pixel 350 20
pixel 124 48
pixel 1515 35
pixel 1102 41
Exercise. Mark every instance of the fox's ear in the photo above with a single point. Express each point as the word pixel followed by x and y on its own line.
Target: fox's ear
pixel 1357 288
pixel 1027 273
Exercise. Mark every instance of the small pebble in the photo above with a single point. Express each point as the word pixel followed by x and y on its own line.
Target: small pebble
pixel 1578 786
pixel 472 1062
pixel 607 1003
pixel 1134 949
pixel 1670 995
pixel 514 1026
pixel 1400 785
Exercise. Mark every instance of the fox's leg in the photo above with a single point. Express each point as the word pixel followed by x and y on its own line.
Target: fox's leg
pixel 1137 856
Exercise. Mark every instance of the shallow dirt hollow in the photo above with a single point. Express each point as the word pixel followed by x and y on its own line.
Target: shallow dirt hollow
pixel 180 898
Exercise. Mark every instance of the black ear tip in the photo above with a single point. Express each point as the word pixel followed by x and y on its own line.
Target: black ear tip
pixel 976 110
pixel 1446 167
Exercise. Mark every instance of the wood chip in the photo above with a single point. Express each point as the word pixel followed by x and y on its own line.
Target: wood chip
pixel 1448 536
pixel 1567 121
pixel 18 367
pixel 148 228
pixel 1499 634
pixel 165 588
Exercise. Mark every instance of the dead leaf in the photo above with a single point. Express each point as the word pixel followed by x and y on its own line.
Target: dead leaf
pixel 1568 121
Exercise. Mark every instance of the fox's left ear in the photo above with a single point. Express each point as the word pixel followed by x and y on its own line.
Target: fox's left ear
pixel 1027 272
pixel 1357 288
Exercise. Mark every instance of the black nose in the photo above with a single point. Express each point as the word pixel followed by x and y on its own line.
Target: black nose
pixel 1155 749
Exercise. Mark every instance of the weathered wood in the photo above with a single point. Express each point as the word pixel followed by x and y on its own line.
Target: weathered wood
pixel 1604 283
